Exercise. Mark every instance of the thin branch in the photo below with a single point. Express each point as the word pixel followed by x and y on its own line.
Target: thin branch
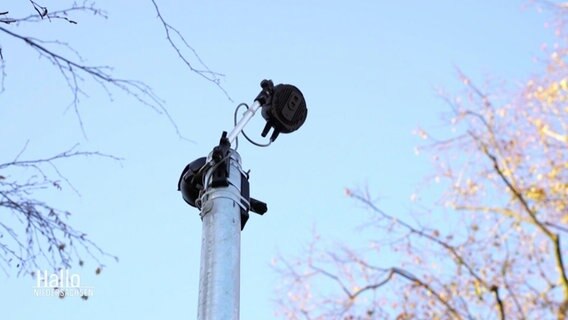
pixel 46 234
pixel 554 238
pixel 501 307
pixel 407 275
pixel 206 73
pixel 41 11
pixel 71 70
pixel 334 278
pixel 452 250
pixel 2 72
pixel 374 286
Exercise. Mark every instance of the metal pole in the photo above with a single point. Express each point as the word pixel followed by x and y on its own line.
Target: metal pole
pixel 219 281
pixel 213 185
pixel 243 122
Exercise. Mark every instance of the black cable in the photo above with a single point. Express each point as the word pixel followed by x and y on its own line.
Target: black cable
pixel 243 131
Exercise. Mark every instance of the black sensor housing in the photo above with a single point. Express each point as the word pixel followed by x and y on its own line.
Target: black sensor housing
pixel 286 111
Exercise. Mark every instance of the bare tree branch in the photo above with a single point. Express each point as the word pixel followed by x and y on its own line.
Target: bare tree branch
pixel 504 181
pixel 206 73
pixel 74 71
pixel 40 222
pixel 40 232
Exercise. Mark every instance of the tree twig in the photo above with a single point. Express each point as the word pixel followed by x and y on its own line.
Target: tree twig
pixel 206 73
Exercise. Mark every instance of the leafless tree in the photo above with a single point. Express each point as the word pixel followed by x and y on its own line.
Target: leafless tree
pixel 505 177
pixel 33 233
pixel 36 233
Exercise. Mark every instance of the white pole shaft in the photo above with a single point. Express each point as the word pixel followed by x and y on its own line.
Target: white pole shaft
pixel 219 281
pixel 243 122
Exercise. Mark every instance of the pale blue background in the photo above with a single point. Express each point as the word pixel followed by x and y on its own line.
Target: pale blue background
pixel 368 70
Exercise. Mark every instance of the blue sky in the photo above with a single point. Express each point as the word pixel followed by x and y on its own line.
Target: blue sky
pixel 368 71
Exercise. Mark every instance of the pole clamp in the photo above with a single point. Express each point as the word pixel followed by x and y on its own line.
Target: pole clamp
pixel 195 190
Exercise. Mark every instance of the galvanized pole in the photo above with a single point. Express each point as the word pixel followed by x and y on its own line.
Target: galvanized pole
pixel 243 122
pixel 219 281
pixel 220 189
